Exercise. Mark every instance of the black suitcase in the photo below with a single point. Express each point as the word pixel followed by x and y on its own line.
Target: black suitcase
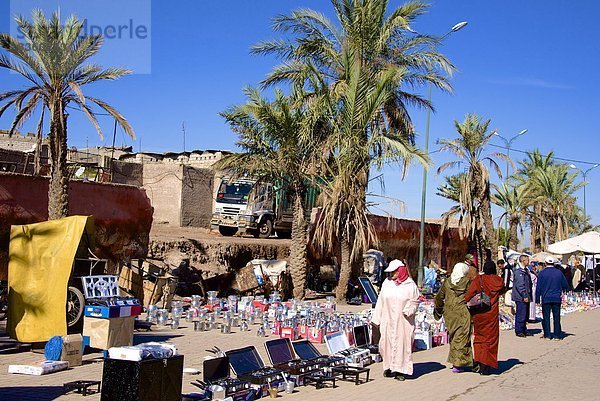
pixel 148 380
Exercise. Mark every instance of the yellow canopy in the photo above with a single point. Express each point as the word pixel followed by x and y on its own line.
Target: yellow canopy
pixel 40 259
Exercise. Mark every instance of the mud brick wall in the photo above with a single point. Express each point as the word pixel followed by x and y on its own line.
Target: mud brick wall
pixel 163 183
pixel 122 214
pixel 399 239
pixel 197 197
pixel 128 173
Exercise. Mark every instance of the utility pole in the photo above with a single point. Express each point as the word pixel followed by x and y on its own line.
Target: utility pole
pixel 183 130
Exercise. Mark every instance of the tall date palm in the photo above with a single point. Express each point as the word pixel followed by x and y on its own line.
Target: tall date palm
pixel 344 61
pixel 469 149
pixel 515 201
pixel 280 144
pixel 53 59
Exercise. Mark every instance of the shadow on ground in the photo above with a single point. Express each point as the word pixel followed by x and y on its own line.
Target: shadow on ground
pixel 42 393
pixel 424 368
pixel 504 366
pixel 10 346
pixel 140 338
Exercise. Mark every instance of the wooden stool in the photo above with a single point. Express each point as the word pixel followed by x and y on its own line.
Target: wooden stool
pixel 352 371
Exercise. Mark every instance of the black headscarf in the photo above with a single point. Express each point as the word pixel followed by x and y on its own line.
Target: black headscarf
pixel 489 267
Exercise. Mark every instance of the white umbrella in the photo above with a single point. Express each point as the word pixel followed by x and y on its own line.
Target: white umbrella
pixel 587 243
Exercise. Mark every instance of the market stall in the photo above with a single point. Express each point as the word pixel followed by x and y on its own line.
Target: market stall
pixel 587 243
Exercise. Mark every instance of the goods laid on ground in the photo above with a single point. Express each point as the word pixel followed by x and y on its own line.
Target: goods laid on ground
pixel 571 302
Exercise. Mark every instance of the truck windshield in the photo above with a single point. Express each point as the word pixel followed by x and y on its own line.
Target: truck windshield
pixel 234 193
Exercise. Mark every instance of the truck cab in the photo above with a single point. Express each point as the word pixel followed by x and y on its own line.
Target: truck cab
pixel 247 206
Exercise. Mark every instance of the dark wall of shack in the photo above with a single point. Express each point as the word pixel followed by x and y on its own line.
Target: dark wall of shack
pixel 122 214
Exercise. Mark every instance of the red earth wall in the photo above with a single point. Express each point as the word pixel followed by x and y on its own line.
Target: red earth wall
pixel 399 239
pixel 122 213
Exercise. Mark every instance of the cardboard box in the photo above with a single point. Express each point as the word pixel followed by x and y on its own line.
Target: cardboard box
pixel 72 349
pixel 159 291
pixel 106 333
pixel 131 280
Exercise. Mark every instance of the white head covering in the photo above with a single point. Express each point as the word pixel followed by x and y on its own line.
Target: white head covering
pixel 393 266
pixel 458 272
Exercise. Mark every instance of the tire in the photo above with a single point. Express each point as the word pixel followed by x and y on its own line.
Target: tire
pixel 227 231
pixel 265 229
pixel 283 234
pixel 3 309
pixel 75 304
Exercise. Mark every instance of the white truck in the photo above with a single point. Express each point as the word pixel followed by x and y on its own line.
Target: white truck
pixel 247 206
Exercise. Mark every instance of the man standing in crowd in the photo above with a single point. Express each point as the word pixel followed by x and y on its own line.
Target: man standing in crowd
pixel 506 271
pixel 503 271
pixel 521 295
pixel 578 281
pixel 551 283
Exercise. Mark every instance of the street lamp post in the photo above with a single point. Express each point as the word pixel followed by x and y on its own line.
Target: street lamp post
pixel 584 173
pixel 420 271
pixel 508 143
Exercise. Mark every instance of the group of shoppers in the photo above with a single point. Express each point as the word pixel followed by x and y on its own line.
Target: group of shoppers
pixel 451 302
pixel 394 313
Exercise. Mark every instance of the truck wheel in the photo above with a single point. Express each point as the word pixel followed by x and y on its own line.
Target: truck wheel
pixel 283 234
pixel 227 231
pixel 265 229
pixel 75 303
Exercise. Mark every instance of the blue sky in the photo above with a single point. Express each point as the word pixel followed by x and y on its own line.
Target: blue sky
pixel 524 64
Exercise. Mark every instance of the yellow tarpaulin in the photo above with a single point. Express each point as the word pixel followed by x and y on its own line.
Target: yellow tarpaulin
pixel 39 265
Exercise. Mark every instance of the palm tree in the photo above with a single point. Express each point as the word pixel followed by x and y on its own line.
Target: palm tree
pixel 339 64
pixel 357 141
pixel 535 161
pixel 279 144
pixel 554 188
pixel 469 149
pixel 515 201
pixel 317 51
pixel 466 210
pixel 51 59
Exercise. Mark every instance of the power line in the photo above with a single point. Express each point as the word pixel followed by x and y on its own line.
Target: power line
pixel 96 113
pixel 543 155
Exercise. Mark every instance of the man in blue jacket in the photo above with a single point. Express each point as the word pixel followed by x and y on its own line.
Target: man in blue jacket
pixel 551 282
pixel 521 295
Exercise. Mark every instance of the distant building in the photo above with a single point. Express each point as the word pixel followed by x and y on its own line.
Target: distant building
pixel 26 144
pixel 195 158
pixel 181 185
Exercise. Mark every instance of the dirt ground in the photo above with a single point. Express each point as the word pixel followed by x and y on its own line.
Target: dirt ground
pixel 164 232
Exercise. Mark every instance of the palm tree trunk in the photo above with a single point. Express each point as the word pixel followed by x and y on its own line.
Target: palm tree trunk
pixel 513 238
pixel 534 236
pixel 298 247
pixel 552 229
pixel 488 222
pixel 58 199
pixel 345 269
